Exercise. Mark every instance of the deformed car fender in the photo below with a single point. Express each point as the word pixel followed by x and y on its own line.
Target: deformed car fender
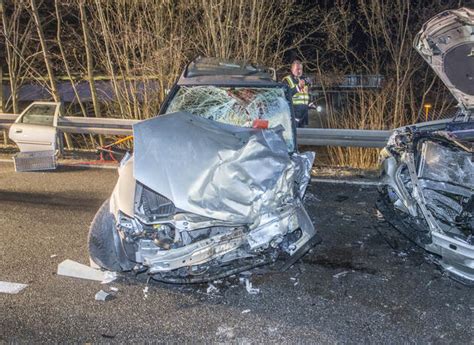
pixel 123 195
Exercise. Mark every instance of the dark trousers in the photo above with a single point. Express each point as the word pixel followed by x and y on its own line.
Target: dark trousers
pixel 301 115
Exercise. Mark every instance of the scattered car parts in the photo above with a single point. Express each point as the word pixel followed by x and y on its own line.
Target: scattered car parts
pixel 70 268
pixel 11 288
pixel 35 132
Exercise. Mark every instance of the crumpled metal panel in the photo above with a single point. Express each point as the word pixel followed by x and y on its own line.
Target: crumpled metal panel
pixel 303 164
pixel 216 170
pixel 439 192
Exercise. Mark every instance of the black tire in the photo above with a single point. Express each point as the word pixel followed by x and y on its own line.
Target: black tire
pixel 101 239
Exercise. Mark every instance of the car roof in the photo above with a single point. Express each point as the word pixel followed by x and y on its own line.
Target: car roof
pixel 215 71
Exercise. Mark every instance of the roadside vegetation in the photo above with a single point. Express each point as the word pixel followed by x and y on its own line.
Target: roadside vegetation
pixel 141 47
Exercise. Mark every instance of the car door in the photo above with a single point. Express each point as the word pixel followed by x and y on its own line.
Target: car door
pixel 36 127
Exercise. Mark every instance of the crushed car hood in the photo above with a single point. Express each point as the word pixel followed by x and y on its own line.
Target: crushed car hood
pixel 446 42
pixel 217 170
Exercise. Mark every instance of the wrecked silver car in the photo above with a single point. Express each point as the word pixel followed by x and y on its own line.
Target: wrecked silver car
pixel 215 184
pixel 428 174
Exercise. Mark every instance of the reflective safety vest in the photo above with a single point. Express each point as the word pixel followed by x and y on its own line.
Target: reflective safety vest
pixel 300 96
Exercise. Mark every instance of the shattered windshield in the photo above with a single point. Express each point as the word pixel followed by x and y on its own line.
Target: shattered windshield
pixel 239 106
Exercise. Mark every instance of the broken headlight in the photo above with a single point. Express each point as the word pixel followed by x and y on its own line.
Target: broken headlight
pixel 151 205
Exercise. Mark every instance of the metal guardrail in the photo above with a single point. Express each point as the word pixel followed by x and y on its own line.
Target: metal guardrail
pixel 7 119
pixel 96 125
pixel 342 137
pixel 305 136
pixel 85 125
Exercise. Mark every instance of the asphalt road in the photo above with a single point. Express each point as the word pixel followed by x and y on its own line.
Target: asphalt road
pixel 364 283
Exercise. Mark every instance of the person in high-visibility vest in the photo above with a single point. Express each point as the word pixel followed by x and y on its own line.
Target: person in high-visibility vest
pixel 299 91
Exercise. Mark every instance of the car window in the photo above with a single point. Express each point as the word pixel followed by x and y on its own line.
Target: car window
pixel 40 114
pixel 239 106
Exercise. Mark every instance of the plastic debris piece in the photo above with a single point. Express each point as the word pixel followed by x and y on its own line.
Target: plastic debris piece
pixel 340 274
pixel 103 296
pixel 53 256
pixel 251 290
pixel 109 277
pixel 380 216
pixel 245 311
pixel 145 292
pixel 272 330
pixel 114 289
pixel 74 269
pixel 225 331
pixel 11 288
pixel 211 288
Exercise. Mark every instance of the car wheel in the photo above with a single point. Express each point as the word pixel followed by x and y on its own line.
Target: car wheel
pixel 101 239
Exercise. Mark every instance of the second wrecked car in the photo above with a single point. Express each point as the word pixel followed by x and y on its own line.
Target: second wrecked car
pixel 215 184
pixel 428 169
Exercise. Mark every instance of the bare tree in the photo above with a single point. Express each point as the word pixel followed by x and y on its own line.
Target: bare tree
pixel 20 51
pixel 89 64
pixel 253 30
pixel 45 51
pixel 67 68
pixel 375 37
pixel 47 62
